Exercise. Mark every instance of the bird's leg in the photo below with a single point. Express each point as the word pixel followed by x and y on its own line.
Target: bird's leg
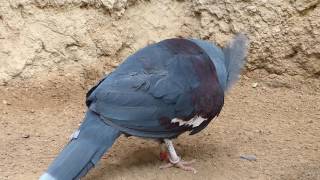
pixel 163 152
pixel 175 160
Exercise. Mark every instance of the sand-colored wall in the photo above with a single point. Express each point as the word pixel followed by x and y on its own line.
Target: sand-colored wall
pixel 40 38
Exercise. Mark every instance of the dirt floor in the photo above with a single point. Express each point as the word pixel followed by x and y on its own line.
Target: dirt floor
pixel 280 126
pixel 52 51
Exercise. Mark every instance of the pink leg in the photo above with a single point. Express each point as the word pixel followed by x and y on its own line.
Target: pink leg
pixel 175 161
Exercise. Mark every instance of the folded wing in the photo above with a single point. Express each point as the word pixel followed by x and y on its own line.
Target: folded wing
pixel 173 79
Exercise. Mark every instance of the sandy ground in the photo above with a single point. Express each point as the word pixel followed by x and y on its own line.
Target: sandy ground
pixel 280 126
pixel 80 39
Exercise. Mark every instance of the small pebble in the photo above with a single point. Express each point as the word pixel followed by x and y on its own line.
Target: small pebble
pixel 26 136
pixel 254 85
pixel 6 102
pixel 249 157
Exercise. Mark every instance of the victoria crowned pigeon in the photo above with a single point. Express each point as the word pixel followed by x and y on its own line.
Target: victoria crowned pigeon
pixel 159 92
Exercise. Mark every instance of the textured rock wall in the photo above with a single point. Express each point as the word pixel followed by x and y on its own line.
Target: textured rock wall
pixel 43 38
pixel 285 35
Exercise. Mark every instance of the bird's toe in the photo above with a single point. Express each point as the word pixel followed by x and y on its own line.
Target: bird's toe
pixel 184 165
pixel 168 165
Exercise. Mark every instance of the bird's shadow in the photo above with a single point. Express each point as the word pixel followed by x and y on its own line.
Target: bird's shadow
pixel 148 158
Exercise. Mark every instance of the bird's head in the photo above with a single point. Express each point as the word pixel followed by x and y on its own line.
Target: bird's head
pixel 229 60
pixel 217 57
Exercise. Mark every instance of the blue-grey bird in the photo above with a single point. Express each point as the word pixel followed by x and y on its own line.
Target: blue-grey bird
pixel 160 92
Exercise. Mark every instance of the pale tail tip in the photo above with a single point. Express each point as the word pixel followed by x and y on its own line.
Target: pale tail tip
pixel 47 176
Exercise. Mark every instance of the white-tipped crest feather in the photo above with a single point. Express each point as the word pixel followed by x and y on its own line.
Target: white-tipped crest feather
pixel 235 57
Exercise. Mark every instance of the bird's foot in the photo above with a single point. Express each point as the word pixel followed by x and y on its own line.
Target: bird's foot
pixel 184 165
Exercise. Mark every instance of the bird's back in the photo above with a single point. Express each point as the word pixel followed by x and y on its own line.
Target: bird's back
pixel 172 79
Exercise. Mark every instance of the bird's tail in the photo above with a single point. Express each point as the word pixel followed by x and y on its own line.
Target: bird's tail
pixel 235 53
pixel 87 146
